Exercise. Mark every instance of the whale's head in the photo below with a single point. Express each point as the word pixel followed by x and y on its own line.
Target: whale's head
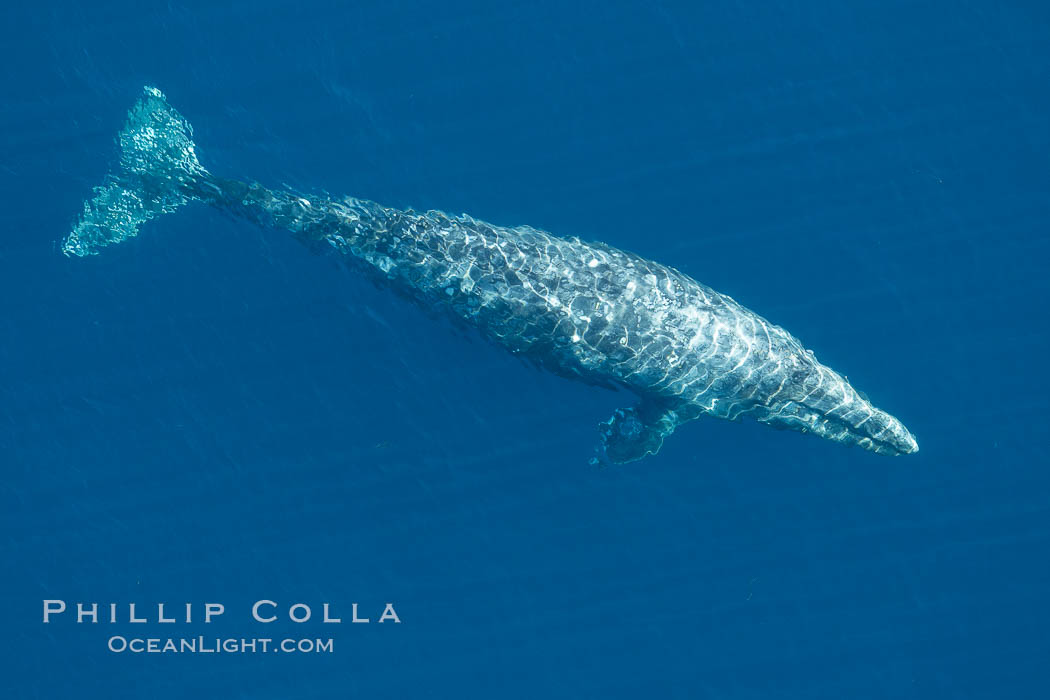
pixel 822 402
pixel 860 424
pixel 882 434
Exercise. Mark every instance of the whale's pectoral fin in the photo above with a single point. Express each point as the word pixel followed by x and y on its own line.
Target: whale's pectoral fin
pixel 633 433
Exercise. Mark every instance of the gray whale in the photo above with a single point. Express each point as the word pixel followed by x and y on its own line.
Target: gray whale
pixel 583 310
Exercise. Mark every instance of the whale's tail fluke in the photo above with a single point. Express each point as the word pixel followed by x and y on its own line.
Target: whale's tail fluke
pixel 158 173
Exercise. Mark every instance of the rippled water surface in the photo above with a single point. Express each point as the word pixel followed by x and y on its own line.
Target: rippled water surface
pixel 210 413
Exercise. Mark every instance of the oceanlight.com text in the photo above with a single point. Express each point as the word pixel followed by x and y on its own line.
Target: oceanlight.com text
pixel 217 645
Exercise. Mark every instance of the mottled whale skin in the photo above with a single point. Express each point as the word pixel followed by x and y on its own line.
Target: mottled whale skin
pixel 582 310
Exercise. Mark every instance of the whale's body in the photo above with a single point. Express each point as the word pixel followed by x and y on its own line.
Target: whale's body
pixel 583 310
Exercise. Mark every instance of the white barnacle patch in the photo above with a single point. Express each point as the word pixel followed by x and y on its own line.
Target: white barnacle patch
pixel 382 262
pixel 576 337
pixel 593 263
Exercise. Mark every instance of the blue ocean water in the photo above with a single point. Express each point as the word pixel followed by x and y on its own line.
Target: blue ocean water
pixel 209 413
